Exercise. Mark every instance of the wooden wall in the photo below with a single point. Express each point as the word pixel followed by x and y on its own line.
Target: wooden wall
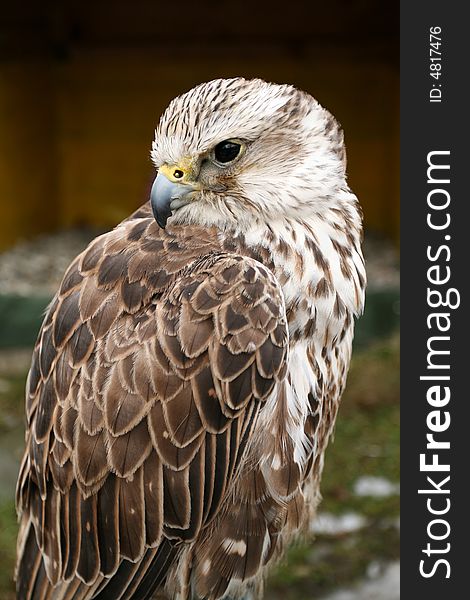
pixel 82 88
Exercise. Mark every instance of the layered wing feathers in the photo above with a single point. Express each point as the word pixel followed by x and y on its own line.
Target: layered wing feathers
pixel 149 371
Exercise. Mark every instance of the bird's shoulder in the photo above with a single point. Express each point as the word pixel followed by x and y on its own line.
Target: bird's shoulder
pixel 151 365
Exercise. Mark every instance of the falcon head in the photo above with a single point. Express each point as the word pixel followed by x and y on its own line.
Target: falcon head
pixel 232 151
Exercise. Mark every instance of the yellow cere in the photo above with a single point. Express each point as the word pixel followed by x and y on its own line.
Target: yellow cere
pixel 179 173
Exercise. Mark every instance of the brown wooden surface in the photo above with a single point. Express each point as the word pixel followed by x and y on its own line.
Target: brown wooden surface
pixel 82 88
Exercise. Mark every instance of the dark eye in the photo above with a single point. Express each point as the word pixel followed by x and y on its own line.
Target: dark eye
pixel 226 151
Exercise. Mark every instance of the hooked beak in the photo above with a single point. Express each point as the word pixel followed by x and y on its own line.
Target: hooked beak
pixel 167 196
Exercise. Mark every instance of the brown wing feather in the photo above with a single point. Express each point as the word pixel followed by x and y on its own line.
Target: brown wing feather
pixel 150 369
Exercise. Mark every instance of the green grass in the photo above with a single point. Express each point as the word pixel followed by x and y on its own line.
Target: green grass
pixel 8 529
pixel 311 570
pixel 11 419
pixel 11 400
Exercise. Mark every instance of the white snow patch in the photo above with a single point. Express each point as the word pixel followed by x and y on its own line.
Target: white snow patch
pixel 383 587
pixel 329 524
pixel 377 487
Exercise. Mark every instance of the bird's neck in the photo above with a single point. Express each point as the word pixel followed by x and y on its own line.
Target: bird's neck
pixel 319 265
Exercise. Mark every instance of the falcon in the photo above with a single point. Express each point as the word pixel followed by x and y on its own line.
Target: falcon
pixel 188 372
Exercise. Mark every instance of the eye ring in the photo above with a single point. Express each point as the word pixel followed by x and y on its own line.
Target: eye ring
pixel 227 151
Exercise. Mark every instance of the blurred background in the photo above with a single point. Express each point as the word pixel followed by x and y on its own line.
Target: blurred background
pixel 82 86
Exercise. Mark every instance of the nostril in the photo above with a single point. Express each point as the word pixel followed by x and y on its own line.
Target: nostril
pixel 178 174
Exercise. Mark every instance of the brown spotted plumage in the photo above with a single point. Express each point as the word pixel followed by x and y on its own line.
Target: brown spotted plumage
pixel 186 379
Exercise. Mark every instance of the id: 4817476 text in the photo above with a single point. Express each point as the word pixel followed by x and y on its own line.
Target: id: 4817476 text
pixel 435 63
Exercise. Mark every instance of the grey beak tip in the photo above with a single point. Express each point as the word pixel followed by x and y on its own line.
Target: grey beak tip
pixel 161 214
pixel 160 220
